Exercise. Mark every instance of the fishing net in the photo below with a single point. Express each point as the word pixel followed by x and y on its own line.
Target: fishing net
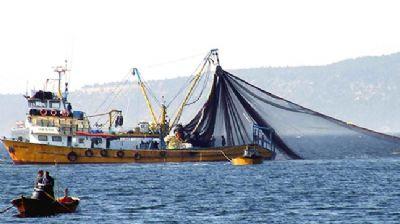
pixel 234 107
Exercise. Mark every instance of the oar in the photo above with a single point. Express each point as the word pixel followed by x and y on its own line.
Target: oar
pixel 6 209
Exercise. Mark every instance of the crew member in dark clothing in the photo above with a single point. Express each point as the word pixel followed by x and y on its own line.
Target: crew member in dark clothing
pixel 39 178
pixel 48 182
pixel 69 108
pixel 223 142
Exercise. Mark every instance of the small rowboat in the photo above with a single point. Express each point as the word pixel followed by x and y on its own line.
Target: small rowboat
pixel 34 207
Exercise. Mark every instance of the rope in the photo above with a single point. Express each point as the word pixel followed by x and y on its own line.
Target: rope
pixel 185 85
pixel 146 86
pixel 113 99
pixel 174 61
pixel 205 81
pixel 179 92
pixel 226 157
pixel 108 96
pixel 6 209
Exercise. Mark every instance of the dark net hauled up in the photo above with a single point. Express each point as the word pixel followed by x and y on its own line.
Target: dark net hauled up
pixel 235 106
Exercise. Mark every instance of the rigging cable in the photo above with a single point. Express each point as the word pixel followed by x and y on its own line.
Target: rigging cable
pixel 109 95
pixel 120 88
pixel 205 82
pixel 185 85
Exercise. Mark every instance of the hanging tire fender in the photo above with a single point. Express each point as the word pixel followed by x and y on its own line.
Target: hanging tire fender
pixel 120 154
pixel 89 153
pixel 163 154
pixel 104 153
pixel 72 156
pixel 137 156
pixel 11 149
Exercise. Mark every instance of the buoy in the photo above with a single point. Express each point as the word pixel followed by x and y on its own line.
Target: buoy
pixel 241 161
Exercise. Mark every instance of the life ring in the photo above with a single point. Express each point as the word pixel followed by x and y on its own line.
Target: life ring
pixel 137 156
pixel 163 154
pixel 89 153
pixel 72 156
pixel 65 113
pixel 53 113
pixel 43 112
pixel 104 153
pixel 120 153
pixel 11 149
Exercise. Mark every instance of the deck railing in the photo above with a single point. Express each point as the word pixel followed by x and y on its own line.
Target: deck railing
pixel 262 136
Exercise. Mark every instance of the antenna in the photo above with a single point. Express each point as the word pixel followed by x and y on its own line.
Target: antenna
pixel 27 85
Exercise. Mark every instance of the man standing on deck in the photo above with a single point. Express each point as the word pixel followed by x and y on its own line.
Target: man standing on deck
pixel 223 142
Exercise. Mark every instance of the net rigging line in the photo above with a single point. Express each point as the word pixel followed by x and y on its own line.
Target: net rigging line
pixel 115 93
pixel 205 82
pixel 148 89
pixel 174 61
pixel 166 63
pixel 114 90
pixel 185 84
pixel 205 62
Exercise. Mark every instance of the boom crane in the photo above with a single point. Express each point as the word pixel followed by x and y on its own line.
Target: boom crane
pixel 213 54
pixel 162 123
pixel 136 72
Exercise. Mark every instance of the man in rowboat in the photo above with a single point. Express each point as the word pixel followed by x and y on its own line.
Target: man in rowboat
pixel 66 198
pixel 44 185
pixel 48 183
pixel 39 178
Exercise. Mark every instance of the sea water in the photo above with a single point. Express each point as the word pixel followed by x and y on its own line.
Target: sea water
pixel 305 191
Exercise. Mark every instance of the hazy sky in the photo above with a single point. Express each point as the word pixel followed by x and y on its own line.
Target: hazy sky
pixel 104 39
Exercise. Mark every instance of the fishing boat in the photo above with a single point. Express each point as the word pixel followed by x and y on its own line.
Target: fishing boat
pixel 42 204
pixel 55 133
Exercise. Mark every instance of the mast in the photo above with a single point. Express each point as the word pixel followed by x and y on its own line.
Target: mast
pixel 61 70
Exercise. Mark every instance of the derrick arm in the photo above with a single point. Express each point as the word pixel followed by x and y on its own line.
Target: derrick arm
pixel 207 59
pixel 135 71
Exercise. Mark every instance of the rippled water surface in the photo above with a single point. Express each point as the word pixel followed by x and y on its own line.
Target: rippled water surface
pixel 350 191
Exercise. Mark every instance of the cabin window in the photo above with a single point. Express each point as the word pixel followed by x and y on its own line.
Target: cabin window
pixel 42 138
pixel 37 103
pixel 55 105
pixel 97 141
pixel 56 138
pixel 81 140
